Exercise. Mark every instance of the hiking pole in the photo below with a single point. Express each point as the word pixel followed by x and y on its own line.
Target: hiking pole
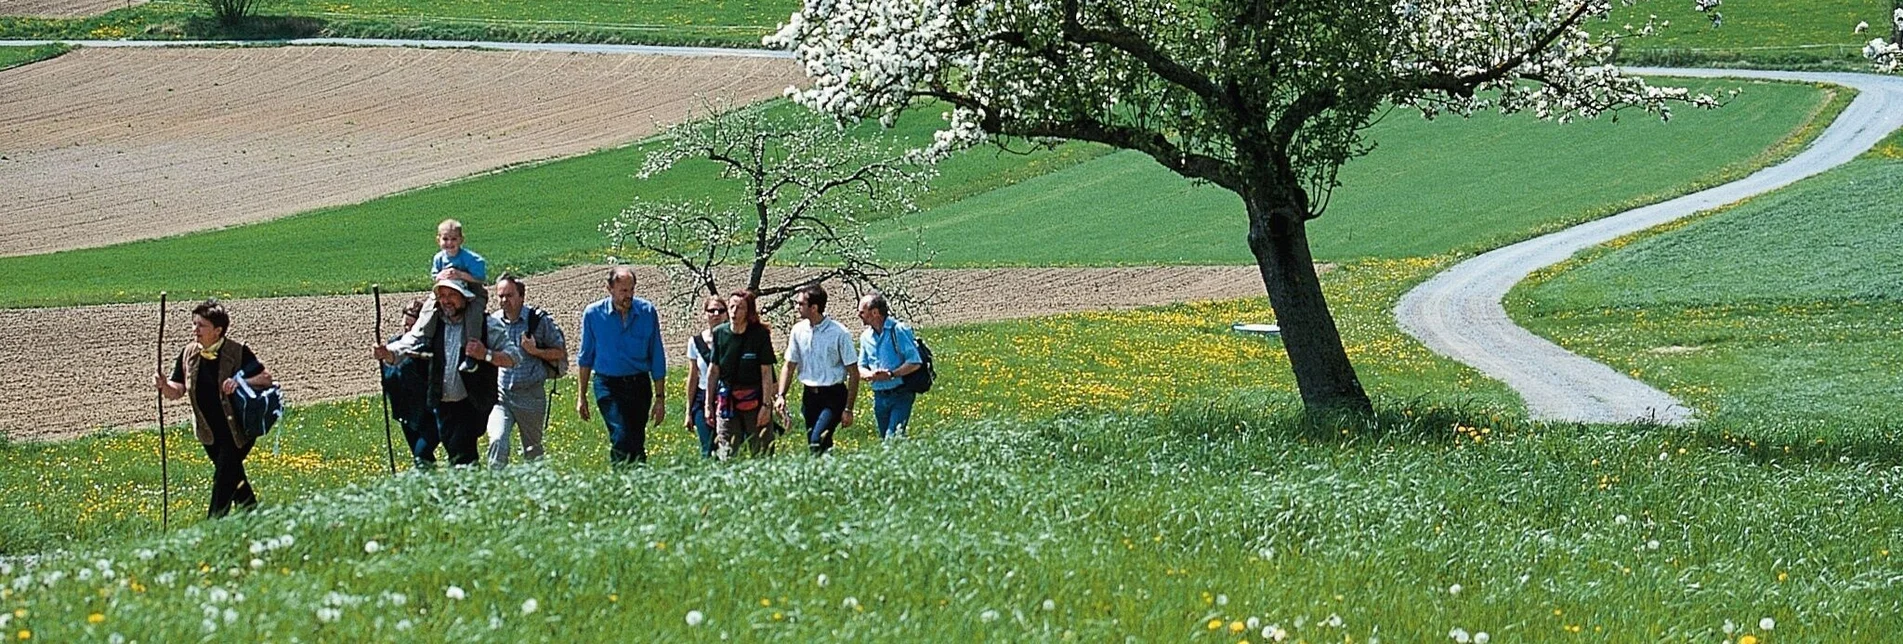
pixel 165 459
pixel 376 291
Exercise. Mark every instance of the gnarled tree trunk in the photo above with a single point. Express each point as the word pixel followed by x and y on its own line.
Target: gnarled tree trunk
pixel 1279 240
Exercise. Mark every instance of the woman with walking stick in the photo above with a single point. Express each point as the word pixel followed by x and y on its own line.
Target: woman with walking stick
pixel 205 373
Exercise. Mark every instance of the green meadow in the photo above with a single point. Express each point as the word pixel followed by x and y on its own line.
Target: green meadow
pixel 11 57
pixel 1428 188
pixel 1052 490
pixel 1780 311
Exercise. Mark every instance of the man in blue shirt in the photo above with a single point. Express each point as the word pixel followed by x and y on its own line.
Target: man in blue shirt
pixel 887 352
pixel 622 357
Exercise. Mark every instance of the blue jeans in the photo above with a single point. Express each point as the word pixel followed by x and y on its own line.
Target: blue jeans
pixel 696 410
pixel 624 402
pixel 893 409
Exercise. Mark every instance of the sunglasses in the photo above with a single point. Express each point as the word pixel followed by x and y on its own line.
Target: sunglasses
pixel 717 311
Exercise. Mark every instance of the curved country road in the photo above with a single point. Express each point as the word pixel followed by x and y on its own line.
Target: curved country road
pixel 1459 314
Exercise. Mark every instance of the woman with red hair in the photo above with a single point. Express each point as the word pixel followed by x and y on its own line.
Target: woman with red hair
pixel 740 372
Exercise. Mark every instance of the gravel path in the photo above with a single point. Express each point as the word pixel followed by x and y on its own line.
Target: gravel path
pixel 1459 313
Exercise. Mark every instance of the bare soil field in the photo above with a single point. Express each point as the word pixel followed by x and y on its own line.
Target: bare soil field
pixel 62 8
pixel 99 376
pixel 101 146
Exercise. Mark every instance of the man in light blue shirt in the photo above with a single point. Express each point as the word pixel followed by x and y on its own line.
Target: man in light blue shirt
pixel 887 352
pixel 622 357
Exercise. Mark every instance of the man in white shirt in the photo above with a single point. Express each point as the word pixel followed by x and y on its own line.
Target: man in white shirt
pixel 821 348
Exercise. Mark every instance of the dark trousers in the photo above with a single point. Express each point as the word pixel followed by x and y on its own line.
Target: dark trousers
pixel 421 434
pixel 228 482
pixel 696 410
pixel 624 402
pixel 458 424
pixel 822 408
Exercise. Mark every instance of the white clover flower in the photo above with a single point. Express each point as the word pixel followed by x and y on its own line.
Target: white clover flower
pixel 328 614
pixel 1222 600
pixel 257 548
pixel 455 592
pixel 1621 519
pixel 1652 544
pixel 1454 589
pixel 822 580
pixel 403 625
pixel 694 618
pixel 1482 637
pixel 1334 620
pixel 1460 635
pixel 1729 627
pixel 529 606
pixel 1767 624
pixel 371 547
pixel 256 563
pixel 1274 633
pixel 849 602
pixel 988 616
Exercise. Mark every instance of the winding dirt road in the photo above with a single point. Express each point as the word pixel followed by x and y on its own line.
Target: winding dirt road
pixel 1459 313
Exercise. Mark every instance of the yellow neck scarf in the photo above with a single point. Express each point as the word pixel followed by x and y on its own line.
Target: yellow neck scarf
pixel 211 352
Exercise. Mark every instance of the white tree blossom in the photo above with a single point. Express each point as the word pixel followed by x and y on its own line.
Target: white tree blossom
pixel 1266 99
pixel 804 193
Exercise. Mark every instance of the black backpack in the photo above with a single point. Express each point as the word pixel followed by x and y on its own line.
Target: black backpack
pixel 536 318
pixel 920 381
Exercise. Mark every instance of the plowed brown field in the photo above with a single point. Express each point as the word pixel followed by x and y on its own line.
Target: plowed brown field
pixel 98 373
pixel 101 146
pixel 61 8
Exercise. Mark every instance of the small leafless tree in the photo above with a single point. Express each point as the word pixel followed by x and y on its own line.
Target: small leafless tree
pixel 809 190
pixel 231 12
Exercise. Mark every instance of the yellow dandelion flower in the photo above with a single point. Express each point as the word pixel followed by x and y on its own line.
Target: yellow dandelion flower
pixel 1748 639
pixel 1215 624
pixel 95 618
pixel 24 634
pixel 1237 626
pixel 764 602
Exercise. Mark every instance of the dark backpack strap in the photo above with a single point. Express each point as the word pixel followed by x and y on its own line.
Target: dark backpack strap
pixel 706 352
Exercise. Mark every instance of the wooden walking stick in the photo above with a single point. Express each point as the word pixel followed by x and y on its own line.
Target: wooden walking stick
pixel 389 443
pixel 165 474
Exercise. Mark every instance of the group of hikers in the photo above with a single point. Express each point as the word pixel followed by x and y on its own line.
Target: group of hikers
pixel 455 373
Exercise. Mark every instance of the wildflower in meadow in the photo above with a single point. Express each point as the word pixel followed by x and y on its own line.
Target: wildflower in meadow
pixel 95 618
pixel 455 592
pixel 1274 633
pixel 1482 637
pixel 694 618
pixel 1767 624
pixel 1454 589
pixel 1215 624
pixel 371 547
pixel 988 616
pixel 1460 635
pixel 1050 605
pixel 1237 626
pixel 822 580
pixel 529 606
pixel 1748 639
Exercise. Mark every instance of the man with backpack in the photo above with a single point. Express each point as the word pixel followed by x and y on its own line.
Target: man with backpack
pixel 889 358
pixel 461 401
pixel 522 400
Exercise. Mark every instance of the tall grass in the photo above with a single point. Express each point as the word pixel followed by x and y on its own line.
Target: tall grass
pixel 1209 524
pixel 11 57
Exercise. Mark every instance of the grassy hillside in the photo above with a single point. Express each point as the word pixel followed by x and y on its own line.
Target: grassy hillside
pixel 1215 524
pixel 1783 307
pixel 1429 188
